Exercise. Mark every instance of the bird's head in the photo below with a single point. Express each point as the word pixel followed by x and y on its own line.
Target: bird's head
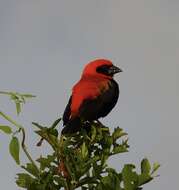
pixel 101 67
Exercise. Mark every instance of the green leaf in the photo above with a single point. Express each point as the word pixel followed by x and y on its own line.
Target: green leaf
pixel 145 166
pixel 108 141
pixel 46 162
pixel 119 149
pixel 144 178
pixel 6 129
pixel 104 158
pixel 31 169
pixel 55 123
pixel 84 150
pixel 118 132
pixel 130 177
pixel 156 166
pixel 24 180
pixel 110 182
pixel 38 125
pixel 14 149
pixel 110 170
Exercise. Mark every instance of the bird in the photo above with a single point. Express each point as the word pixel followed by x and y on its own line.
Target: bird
pixel 93 96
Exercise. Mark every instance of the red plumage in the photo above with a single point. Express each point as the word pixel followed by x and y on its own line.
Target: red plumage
pixel 93 96
pixel 87 88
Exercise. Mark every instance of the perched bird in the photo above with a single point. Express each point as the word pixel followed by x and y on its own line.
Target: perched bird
pixel 93 97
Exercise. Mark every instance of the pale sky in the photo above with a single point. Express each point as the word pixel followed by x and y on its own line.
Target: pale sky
pixel 44 46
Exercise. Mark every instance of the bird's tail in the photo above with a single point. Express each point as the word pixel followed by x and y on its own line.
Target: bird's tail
pixel 72 126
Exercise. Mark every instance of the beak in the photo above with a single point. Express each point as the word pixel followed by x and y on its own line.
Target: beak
pixel 113 70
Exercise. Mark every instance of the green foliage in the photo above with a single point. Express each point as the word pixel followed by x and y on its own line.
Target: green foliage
pixel 85 157
pixel 18 99
pixel 77 161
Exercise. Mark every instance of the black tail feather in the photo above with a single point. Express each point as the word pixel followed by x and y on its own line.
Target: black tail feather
pixel 72 126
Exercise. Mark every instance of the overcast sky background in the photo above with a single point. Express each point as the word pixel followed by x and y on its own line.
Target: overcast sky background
pixel 44 46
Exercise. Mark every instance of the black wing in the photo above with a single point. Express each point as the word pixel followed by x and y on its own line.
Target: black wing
pixel 67 112
pixel 101 106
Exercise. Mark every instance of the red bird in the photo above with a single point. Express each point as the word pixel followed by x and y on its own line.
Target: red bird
pixel 93 97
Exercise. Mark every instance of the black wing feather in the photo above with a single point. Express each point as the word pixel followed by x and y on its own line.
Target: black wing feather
pixel 101 106
pixel 67 112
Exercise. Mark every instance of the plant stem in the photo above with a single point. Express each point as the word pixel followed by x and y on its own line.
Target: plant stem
pixel 10 120
pixel 25 150
pixel 5 93
pixel 23 138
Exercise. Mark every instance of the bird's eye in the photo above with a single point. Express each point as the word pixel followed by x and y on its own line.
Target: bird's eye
pixel 104 69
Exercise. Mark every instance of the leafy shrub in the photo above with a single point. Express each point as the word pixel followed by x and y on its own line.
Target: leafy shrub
pixel 78 160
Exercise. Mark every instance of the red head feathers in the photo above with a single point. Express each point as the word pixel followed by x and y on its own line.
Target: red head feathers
pixel 91 68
